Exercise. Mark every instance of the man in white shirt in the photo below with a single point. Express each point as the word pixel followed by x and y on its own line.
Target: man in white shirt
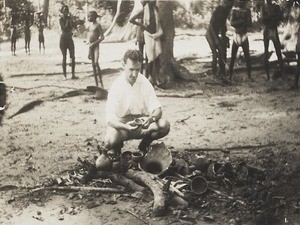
pixel 132 96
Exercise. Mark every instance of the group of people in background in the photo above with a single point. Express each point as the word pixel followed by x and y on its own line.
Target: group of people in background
pixel 240 19
pixel 66 43
pixel 149 33
pixel 27 19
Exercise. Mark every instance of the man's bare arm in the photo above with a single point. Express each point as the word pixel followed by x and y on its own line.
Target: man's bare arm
pixel 101 37
pixel 156 114
pixel 134 21
pixel 153 117
pixel 64 22
pixel 130 126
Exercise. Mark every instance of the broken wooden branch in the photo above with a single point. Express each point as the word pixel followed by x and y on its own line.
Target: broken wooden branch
pixel 179 201
pixel 120 179
pixel 8 187
pixel 230 148
pixel 227 196
pixel 178 197
pixel 80 188
pixel 183 120
pixel 148 179
pixel 180 95
pixel 137 216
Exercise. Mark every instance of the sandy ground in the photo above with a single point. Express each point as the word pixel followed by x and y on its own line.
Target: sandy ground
pixel 47 140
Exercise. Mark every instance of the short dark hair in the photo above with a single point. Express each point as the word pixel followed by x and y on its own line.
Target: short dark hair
pixel 134 55
pixel 64 7
pixel 94 13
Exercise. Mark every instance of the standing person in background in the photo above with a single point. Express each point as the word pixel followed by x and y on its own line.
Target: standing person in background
pixel 271 18
pixel 140 42
pixel 41 25
pixel 295 86
pixel 241 21
pixel 28 20
pixel 66 40
pixel 152 33
pixel 95 37
pixel 13 39
pixel 14 31
pixel 216 37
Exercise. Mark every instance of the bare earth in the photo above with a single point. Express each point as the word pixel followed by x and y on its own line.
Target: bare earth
pixel 46 141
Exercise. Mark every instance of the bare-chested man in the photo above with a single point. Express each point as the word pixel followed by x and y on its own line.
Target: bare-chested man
pixel 241 21
pixel 149 21
pixel 13 39
pixel 66 41
pixel 216 36
pixel 271 18
pixel 14 32
pixel 28 20
pixel 41 25
pixel 95 37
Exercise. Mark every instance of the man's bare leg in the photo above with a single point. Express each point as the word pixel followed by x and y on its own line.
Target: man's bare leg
pixel 64 62
pixel 297 75
pixel 277 45
pixel 154 132
pixel 213 48
pixel 72 56
pixel 245 47
pixel 96 64
pixel 234 50
pixel 266 54
pixel 114 139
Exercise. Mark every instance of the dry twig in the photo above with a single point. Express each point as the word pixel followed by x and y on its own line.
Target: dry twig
pixel 229 148
pixel 137 216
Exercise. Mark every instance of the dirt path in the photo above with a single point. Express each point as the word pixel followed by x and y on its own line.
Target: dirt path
pixel 46 141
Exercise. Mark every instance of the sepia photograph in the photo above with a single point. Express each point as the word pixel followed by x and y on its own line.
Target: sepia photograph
pixel 149 112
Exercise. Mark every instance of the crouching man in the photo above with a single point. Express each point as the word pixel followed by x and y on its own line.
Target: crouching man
pixel 133 110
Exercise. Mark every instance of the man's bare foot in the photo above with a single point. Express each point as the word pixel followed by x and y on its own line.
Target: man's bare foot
pixel 74 77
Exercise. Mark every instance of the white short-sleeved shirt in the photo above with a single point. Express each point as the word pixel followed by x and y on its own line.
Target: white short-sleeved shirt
pixel 126 99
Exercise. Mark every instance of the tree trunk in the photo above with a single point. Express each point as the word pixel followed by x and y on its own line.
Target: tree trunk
pixel 45 11
pixel 170 68
pixel 167 40
pixel 160 196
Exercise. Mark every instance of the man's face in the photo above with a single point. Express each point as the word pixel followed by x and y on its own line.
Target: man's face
pixel 91 17
pixel 65 11
pixel 131 69
pixel 227 3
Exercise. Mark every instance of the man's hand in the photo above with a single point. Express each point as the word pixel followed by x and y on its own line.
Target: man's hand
pixel 131 126
pixel 155 36
pixel 147 122
pixel 91 45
